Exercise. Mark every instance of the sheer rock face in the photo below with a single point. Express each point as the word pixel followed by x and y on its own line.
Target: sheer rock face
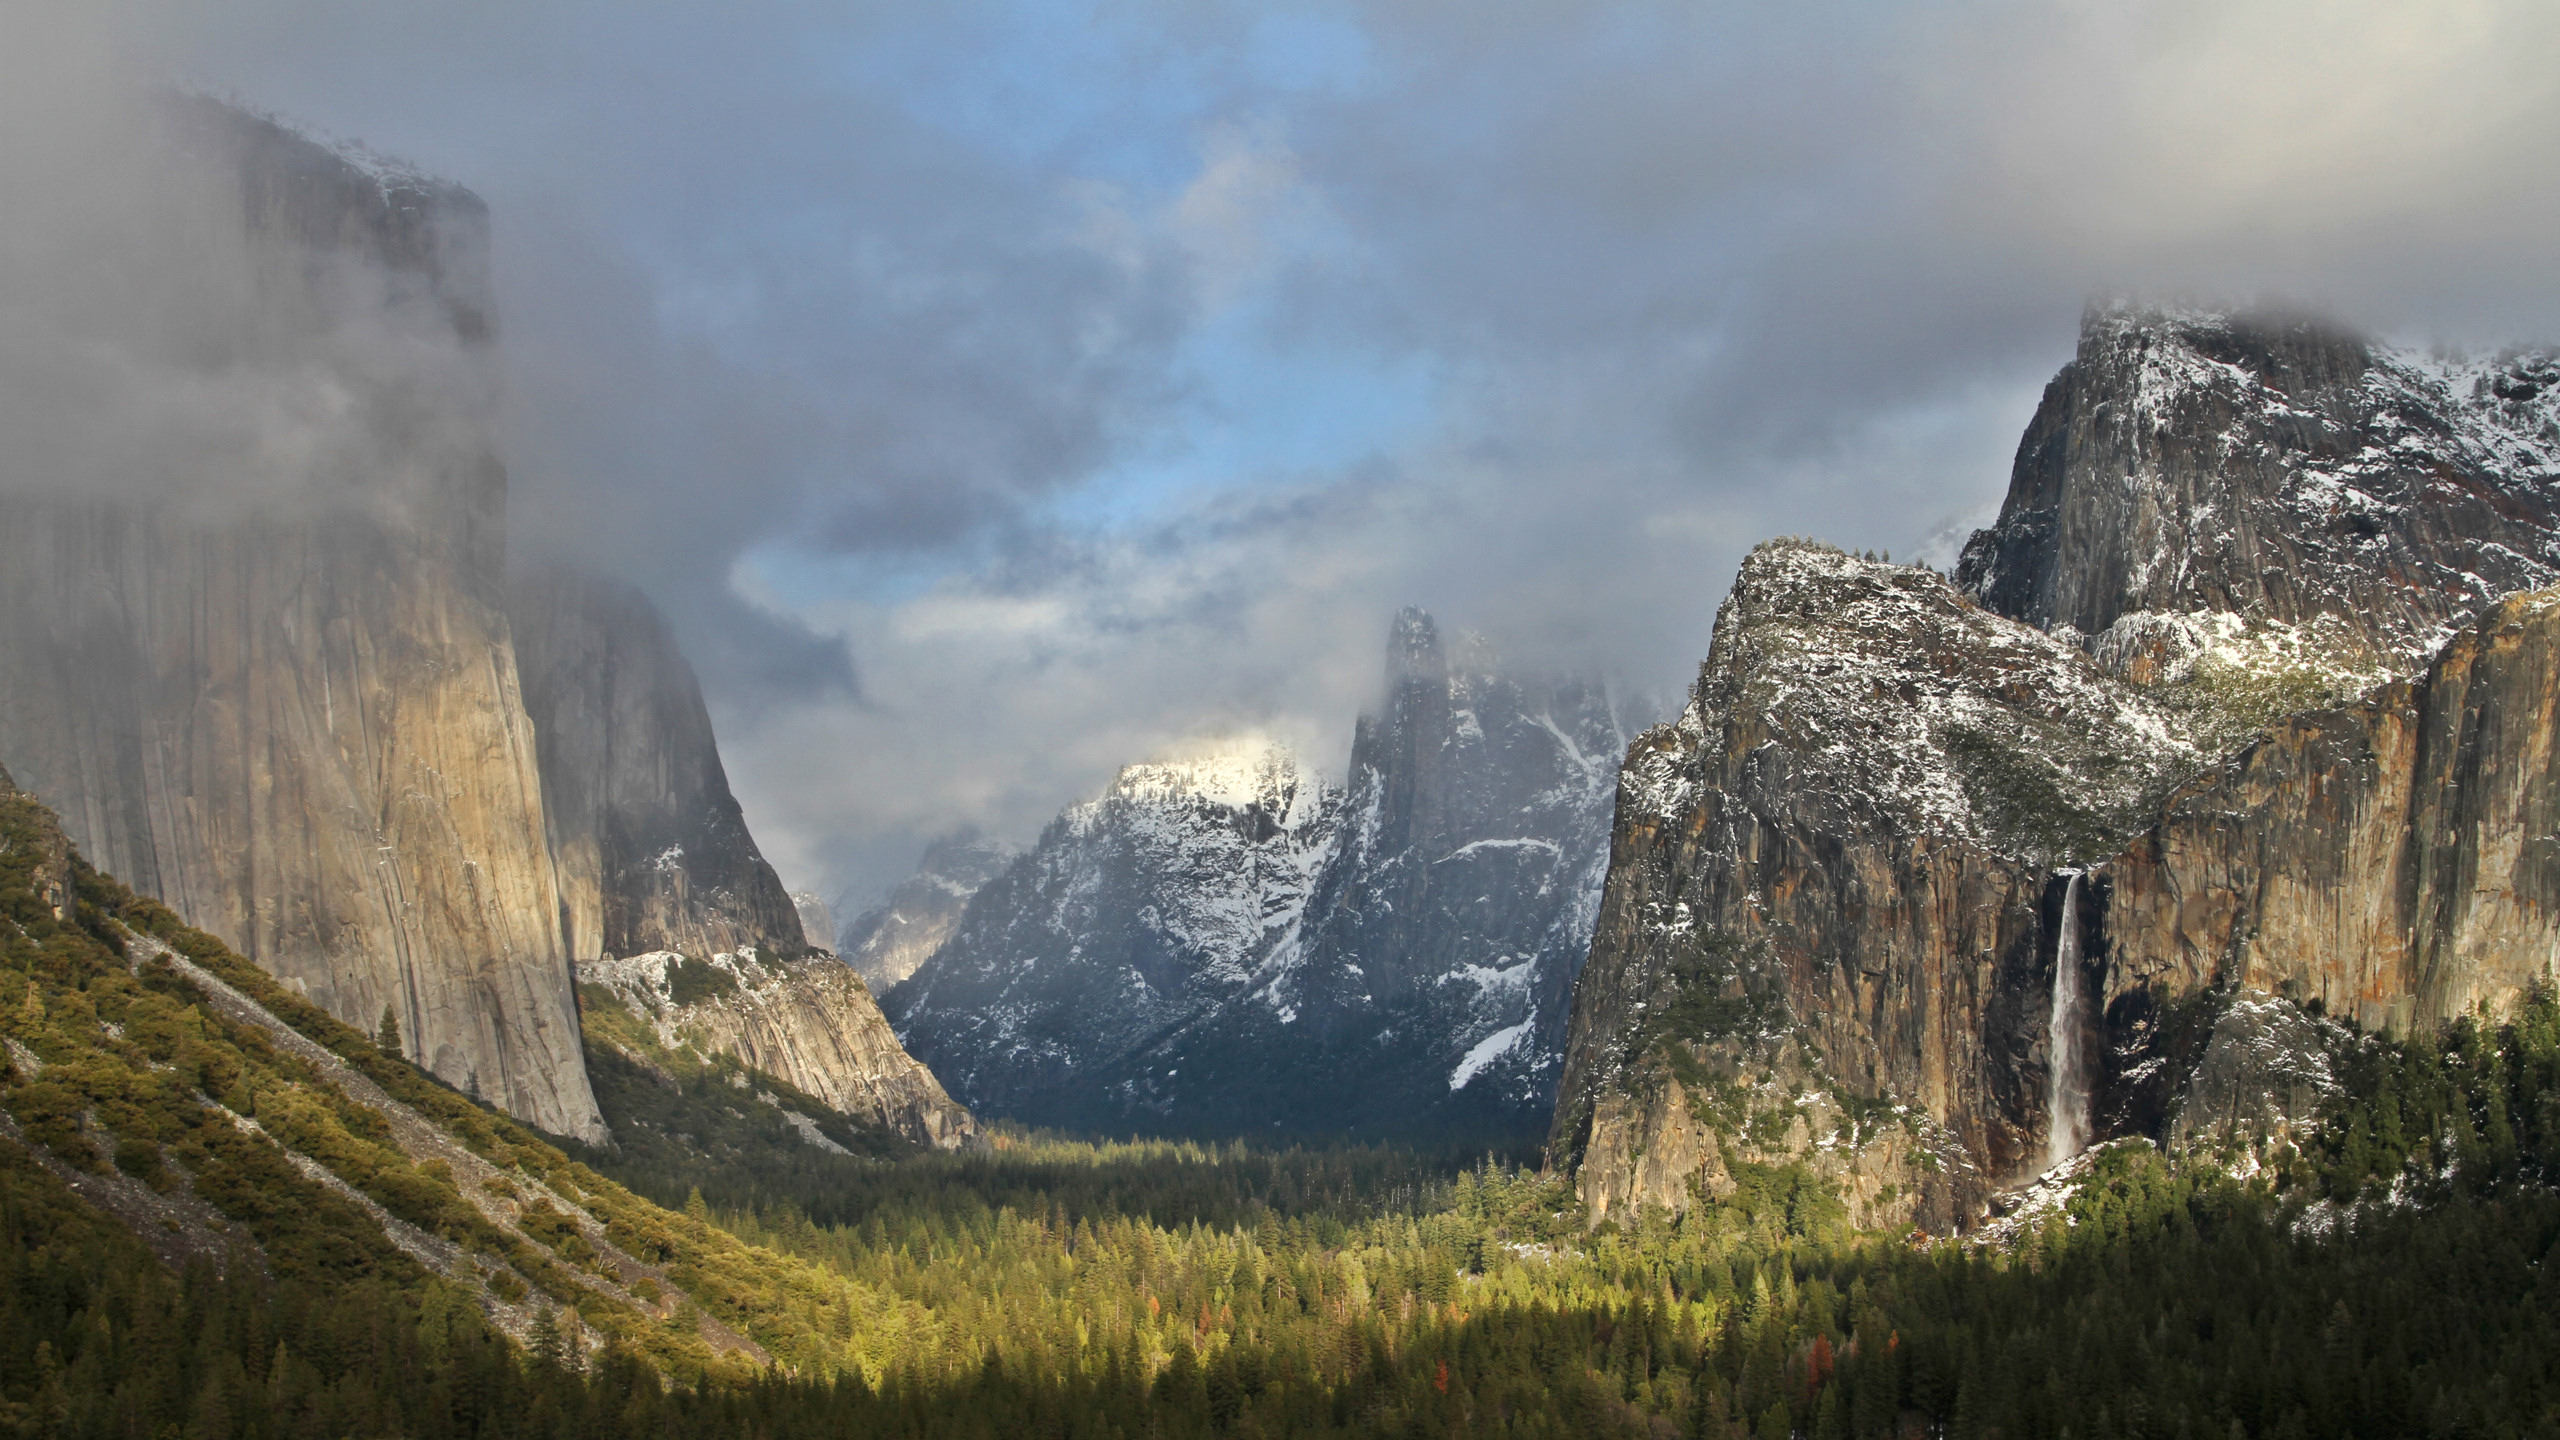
pixel 891 941
pixel 808 1022
pixel 1233 944
pixel 653 851
pixel 2392 859
pixel 297 721
pixel 1843 848
pixel 1857 838
pixel 2275 469
pixel 1447 926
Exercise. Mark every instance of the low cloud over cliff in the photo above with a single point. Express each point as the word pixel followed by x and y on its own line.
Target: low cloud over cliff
pixel 993 392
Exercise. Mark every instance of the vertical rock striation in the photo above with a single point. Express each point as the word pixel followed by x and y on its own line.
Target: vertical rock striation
pixel 2393 859
pixel 294 715
pixel 1841 850
pixel 1854 868
pixel 653 850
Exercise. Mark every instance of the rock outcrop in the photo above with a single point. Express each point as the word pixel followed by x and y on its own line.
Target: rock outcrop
pixel 890 941
pixel 2191 464
pixel 2253 744
pixel 808 1022
pixel 1449 922
pixel 653 850
pixel 1842 849
pixel 294 716
pixel 2393 860
pixel 1228 943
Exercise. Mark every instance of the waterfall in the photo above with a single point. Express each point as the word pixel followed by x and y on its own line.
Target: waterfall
pixel 2066 1095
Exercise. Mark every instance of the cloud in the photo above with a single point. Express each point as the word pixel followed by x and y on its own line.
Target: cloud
pixel 1085 376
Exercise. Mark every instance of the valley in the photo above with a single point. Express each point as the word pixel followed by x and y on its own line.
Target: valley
pixel 2107 986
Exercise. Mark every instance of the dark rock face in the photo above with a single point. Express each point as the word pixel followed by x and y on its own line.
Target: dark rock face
pixel 296 720
pixel 2276 469
pixel 1233 945
pixel 891 940
pixel 653 850
pixel 1843 845
pixel 1456 908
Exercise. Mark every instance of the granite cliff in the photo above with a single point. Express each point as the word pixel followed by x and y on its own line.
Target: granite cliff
pixel 1828 887
pixel 652 849
pixel 2246 734
pixel 295 718
pixel 1231 943
pixel 807 1022
pixel 2189 466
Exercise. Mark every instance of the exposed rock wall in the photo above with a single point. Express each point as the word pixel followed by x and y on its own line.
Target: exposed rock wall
pixel 2280 470
pixel 297 720
pixel 1844 845
pixel 2392 859
pixel 653 850
pixel 809 1023
pixel 1456 909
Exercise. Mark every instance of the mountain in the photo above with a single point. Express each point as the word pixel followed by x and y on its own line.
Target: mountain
pixel 1226 942
pixel 2192 468
pixel 295 718
pixel 652 848
pixel 2239 739
pixel 1137 916
pixel 1842 850
pixel 886 943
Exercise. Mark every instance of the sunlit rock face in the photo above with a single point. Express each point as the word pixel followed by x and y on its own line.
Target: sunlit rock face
pixel 1226 942
pixel 2233 728
pixel 2391 859
pixel 652 848
pixel 1831 892
pixel 808 1022
pixel 285 700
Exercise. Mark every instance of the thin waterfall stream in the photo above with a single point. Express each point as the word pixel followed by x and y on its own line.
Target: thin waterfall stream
pixel 2066 1094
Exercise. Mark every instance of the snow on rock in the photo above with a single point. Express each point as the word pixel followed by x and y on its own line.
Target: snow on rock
pixel 1224 939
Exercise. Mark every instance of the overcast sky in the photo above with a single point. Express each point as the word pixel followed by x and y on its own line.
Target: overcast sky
pixel 997 393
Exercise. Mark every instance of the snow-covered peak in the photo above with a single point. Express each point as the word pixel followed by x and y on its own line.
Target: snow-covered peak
pixel 2279 469
pixel 1242 772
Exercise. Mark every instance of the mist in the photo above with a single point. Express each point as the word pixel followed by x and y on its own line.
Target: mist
pixel 995 394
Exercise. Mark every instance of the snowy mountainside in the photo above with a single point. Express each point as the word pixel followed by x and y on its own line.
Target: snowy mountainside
pixel 1136 914
pixel 2325 489
pixel 888 941
pixel 1230 943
